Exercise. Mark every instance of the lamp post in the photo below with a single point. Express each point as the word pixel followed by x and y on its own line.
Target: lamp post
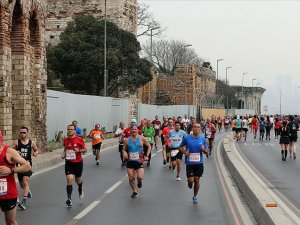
pixel 253 94
pixel 218 60
pixel 227 68
pixel 151 52
pixel 242 103
pixel 105 70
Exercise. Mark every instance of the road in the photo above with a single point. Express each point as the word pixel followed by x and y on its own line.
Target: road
pixel 162 200
pixel 282 177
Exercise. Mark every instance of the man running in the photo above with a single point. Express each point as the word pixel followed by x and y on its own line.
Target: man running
pixel 195 145
pixel 74 146
pixel 210 131
pixel 120 134
pixel 8 187
pixel 127 131
pixel 133 153
pixel 176 136
pixel 165 133
pixel 97 137
pixel 148 132
pixel 164 124
pixel 78 130
pixel 254 123
pixel 24 146
pixel 157 125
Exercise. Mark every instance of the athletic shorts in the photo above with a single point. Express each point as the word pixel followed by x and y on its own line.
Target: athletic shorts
pixel 195 170
pixel 134 165
pixel 21 175
pixel 210 140
pixel 233 129
pixel 120 147
pixel 245 129
pixel 293 139
pixel 178 156
pixel 238 130
pixel 168 149
pixel 8 204
pixel 97 146
pixel 162 139
pixel 284 140
pixel 75 168
pixel 156 132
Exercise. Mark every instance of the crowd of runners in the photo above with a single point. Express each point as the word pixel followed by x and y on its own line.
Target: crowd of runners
pixel 178 137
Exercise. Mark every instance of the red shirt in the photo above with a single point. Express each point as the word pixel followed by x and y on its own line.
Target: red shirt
pixel 72 144
pixel 254 123
pixel 165 132
pixel 277 124
pixel 8 187
pixel 127 132
pixel 156 122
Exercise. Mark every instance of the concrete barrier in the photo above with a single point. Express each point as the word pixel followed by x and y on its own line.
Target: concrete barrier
pixel 255 191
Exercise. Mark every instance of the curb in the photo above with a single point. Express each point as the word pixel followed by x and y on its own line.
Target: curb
pixel 41 165
pixel 257 194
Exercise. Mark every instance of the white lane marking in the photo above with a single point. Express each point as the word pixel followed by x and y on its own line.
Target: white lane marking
pixel 109 190
pixel 87 210
pixel 245 143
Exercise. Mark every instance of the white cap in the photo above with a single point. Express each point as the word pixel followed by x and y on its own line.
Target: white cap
pixel 133 121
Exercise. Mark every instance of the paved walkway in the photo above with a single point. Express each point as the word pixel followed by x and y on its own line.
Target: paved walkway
pixel 47 159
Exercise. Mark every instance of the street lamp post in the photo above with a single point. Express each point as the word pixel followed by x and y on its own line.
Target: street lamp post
pixel 105 70
pixel 229 67
pixel 242 101
pixel 218 60
pixel 253 94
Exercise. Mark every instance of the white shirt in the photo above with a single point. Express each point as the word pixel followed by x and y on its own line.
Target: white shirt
pixel 120 131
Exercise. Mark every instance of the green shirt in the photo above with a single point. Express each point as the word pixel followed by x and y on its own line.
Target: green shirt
pixel 149 133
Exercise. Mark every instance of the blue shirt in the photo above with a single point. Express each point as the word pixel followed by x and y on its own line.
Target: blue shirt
pixel 78 131
pixel 194 146
pixel 176 137
pixel 135 150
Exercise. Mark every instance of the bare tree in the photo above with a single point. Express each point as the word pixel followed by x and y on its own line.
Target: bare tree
pixel 146 22
pixel 167 54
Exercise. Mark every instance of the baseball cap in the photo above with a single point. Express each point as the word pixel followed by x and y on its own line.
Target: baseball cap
pixel 133 121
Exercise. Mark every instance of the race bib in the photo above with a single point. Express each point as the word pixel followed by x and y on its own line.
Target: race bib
pixel 149 139
pixel 70 155
pixel 3 186
pixel 194 157
pixel 96 136
pixel 174 152
pixel 156 127
pixel 134 156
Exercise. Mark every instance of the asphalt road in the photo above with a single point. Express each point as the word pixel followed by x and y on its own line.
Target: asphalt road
pixel 162 200
pixel 282 177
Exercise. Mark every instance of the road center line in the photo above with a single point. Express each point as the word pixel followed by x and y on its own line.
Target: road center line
pixel 109 190
pixel 87 210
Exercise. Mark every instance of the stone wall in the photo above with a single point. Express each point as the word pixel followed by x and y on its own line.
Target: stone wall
pixel 60 12
pixel 22 69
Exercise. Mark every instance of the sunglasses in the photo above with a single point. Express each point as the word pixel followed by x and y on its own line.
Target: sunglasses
pixel 22 132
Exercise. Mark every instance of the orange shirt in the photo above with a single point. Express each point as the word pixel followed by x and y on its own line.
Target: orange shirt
pixel 97 136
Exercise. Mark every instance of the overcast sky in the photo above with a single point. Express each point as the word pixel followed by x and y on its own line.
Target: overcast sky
pixel 261 38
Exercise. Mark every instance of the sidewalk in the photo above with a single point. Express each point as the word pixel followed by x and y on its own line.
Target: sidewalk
pixel 47 159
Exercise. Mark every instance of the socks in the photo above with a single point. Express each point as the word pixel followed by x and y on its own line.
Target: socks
pixel 69 191
pixel 80 188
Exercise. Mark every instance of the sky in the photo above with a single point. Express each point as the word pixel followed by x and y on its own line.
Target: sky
pixel 260 38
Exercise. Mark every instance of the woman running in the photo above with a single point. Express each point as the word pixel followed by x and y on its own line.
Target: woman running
pixel 284 140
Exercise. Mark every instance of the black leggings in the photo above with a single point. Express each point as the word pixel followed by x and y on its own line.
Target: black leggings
pixel 276 132
pixel 268 130
pixel 145 152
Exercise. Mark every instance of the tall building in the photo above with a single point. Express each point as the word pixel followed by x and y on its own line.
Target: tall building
pixel 60 12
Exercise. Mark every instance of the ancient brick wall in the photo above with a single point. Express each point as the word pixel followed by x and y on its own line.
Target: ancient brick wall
pixel 60 12
pixel 22 69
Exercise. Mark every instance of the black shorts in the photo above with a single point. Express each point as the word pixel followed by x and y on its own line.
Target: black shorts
pixel 233 129
pixel 120 147
pixel 134 165
pixel 238 130
pixel 162 139
pixel 293 139
pixel 8 204
pixel 284 140
pixel 194 170
pixel 178 156
pixel 97 146
pixel 75 168
pixel 156 132
pixel 210 140
pixel 245 129
pixel 21 175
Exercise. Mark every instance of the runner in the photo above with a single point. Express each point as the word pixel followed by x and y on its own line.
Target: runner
pixel 226 123
pixel 245 128
pixel 268 128
pixel 127 130
pixel 284 140
pixel 277 125
pixel 233 125
pixel 185 121
pixel 189 129
pixel 165 133
pixel 24 146
pixel 120 134
pixel 97 137
pixel 293 128
pixel 148 132
pixel 179 119
pixel 210 131
pixel 176 136
pixel 195 145
pixel 79 131
pixel 219 121
pixel 157 125
pixel 262 128
pixel 133 153
pixel 8 187
pixel 254 123
pixel 74 146
pixel 164 154
pixel 238 127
